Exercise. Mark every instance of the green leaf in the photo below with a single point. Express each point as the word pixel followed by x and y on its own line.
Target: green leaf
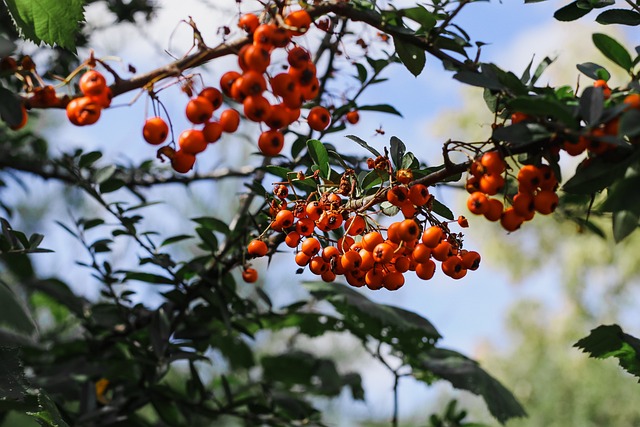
pixel 538 106
pixel 104 174
pixel 14 316
pixel 619 16
pixel 89 158
pixel 319 155
pixel 111 185
pixel 464 373
pixel 442 210
pixel 422 16
pixel 48 415
pixel 148 278
pixel 592 104
pixel 364 145
pixel 624 223
pixel 397 152
pixel 595 71
pixel 570 12
pixel 13 384
pixel 10 107
pixel 613 50
pixel 411 56
pixel 213 224
pixel 362 72
pixel 383 108
pixel 49 21
pixel 594 177
pixel 175 239
pixel 610 341
pixel 407 331
pixel 630 123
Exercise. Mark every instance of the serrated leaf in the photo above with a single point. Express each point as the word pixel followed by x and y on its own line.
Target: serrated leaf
pixel 50 21
pixel 570 12
pixel 619 16
pixel 411 56
pixel 319 155
pixel 610 341
pixel 613 50
pixel 364 145
pixel 595 71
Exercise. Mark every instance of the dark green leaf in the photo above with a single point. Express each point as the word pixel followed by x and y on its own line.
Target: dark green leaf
pixel 10 107
pixel 422 16
pixel 540 69
pixel 592 105
pixel 624 223
pixel 175 239
pixel 479 80
pixel 610 341
pixel 543 107
pixel 48 415
pixel 362 72
pixel 595 71
pixel 442 210
pixel 89 158
pixel 630 123
pixel 466 374
pixel 319 155
pixel 148 278
pixel 397 152
pixel 213 224
pixel 597 175
pixel 570 12
pixel 364 145
pixel 613 50
pixel 14 315
pixel 383 108
pixel 49 21
pixel 411 56
pixel 111 185
pixel 619 16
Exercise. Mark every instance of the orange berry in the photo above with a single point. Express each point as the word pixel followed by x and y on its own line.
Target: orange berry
pixel 529 178
pixel 310 246
pixel 374 278
pixel 382 253
pixel 478 203
pixel 393 281
pixel 230 120
pixel 454 268
pixel 213 95
pixel 575 148
pixel 510 220
pixel 493 163
pixel 328 276
pixel 351 260
pixel 256 108
pixel 318 266
pixel 632 100
pixel 212 131
pixel 298 57
pixel 398 195
pixel 271 142
pixel 367 260
pixel 471 260
pixel 421 253
pixel 432 236
pixel 355 225
pixel 419 194
pixel 155 130
pixel 227 80
pixel 314 210
pixel 199 110
pixel 92 83
pixel 192 141
pixel 353 117
pixel 292 239
pixel 319 118
pixel 256 58
pixel 402 264
pixel 283 219
pixel 257 248
pixel 83 111
pixel 443 251
pixel 249 22
pixel 182 162
pixel 249 275
pixel 491 184
pixel 404 176
pixel 518 117
pixel 545 202
pixel 426 270
pixel 462 222
pixel 494 210
pixel 302 259
pixel 298 22
pixel 329 253
pixel 409 230
pixel 523 205
pixel 605 87
pixel 393 232
pixel 371 240
pixel 305 227
pixel 344 243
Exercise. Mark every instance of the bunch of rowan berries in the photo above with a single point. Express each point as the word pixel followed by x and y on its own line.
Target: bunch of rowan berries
pixel 537 186
pixel 365 253
pixel 86 109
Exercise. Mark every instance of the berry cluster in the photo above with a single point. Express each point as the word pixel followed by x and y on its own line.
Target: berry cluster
pixel 86 109
pixel 536 191
pixel 366 253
